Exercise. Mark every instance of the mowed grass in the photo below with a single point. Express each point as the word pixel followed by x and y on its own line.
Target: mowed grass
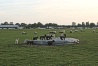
pixel 83 54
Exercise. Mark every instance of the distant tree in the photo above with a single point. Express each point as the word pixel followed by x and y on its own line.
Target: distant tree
pixel 2 24
pixel 87 24
pixel 79 25
pixel 50 24
pixel 23 25
pixel 11 23
pixel 83 24
pixel 34 25
pixel 54 25
pixel 5 23
pixel 18 24
pixel 47 25
pixel 92 25
pixel 39 24
pixel 29 26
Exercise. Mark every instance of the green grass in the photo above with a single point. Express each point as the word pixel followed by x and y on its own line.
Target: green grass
pixel 83 54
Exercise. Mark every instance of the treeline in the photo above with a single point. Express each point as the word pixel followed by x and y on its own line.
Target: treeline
pixel 53 25
pixel 34 25
pixel 87 24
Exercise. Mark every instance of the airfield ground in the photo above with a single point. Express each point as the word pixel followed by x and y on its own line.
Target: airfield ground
pixel 83 54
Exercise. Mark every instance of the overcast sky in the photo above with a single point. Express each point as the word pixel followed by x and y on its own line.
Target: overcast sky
pixel 62 12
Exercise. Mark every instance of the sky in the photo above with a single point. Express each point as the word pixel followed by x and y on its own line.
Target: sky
pixel 62 12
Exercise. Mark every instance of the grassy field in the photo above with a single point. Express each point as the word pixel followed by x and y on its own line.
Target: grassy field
pixel 83 54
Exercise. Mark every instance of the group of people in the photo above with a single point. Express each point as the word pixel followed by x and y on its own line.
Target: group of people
pixel 49 37
pixel 43 37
